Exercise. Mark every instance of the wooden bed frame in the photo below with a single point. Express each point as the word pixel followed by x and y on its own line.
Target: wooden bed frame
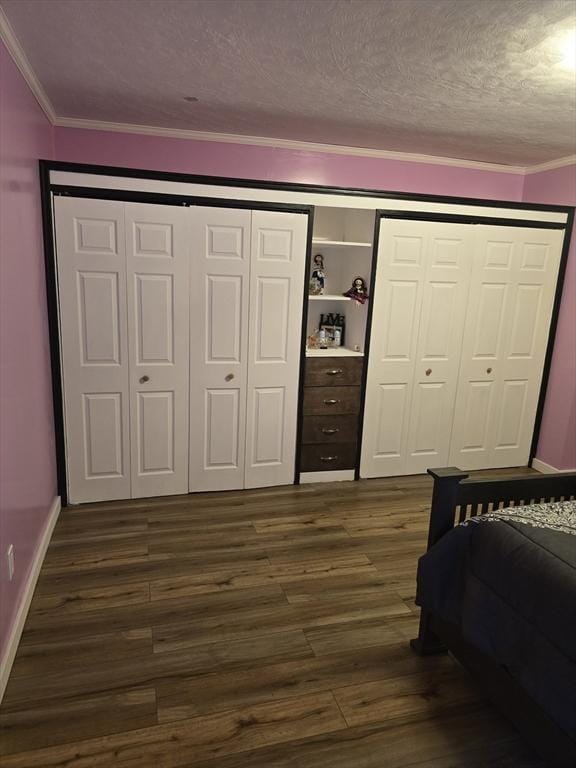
pixel 454 498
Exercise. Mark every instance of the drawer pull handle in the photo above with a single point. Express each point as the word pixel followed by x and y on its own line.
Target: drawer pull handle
pixel 334 372
pixel 428 371
pixel 488 370
pixel 330 431
pixel 331 401
pixel 328 458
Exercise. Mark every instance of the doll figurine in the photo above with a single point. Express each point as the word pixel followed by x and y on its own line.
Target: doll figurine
pixel 318 276
pixel 358 291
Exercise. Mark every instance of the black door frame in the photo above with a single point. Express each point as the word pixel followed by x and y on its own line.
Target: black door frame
pixel 48 190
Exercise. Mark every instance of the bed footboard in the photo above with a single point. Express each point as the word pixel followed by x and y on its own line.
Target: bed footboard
pixel 456 497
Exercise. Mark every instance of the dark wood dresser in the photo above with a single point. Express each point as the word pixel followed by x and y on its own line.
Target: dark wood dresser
pixel 330 413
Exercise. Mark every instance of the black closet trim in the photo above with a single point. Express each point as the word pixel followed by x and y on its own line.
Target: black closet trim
pixel 53 331
pixel 567 227
pixel 300 415
pixel 160 198
pixel 47 189
pixel 367 340
pixel 552 335
pixel 52 287
pixel 457 218
pixel 225 181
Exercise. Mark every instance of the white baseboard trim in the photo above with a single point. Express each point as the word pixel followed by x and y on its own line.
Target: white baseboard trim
pixel 329 476
pixel 29 587
pixel 548 469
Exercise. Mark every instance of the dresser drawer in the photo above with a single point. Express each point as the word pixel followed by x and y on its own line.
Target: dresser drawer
pixel 319 401
pixel 333 371
pixel 319 458
pixel 329 429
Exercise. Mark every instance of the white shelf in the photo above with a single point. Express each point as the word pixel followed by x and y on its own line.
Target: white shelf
pixel 339 243
pixel 329 297
pixel 333 352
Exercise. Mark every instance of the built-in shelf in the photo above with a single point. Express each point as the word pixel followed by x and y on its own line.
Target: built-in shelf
pixel 339 243
pixel 333 352
pixel 329 297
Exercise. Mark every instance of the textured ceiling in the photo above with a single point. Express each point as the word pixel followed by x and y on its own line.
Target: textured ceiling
pixel 474 79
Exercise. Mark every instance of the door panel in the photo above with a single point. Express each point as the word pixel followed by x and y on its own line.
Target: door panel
pixel 157 261
pixel 268 414
pixel 91 268
pixel 155 417
pixel 154 319
pixel 419 304
pixel 392 412
pixel 103 419
pixel 505 338
pixel 222 449
pixel 98 306
pixel 219 290
pixel 276 298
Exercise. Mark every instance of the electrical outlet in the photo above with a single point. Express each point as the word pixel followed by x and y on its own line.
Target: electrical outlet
pixel 10 561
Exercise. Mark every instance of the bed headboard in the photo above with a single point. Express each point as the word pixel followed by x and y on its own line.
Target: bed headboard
pixel 456 497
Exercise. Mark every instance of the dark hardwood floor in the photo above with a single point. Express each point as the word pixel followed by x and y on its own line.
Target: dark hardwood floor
pixel 253 629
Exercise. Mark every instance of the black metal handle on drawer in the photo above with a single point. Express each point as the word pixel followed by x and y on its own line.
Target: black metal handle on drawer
pixel 331 401
pixel 328 458
pixel 334 372
pixel 330 431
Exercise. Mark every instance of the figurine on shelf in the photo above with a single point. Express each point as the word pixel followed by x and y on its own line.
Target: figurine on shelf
pixel 358 292
pixel 318 276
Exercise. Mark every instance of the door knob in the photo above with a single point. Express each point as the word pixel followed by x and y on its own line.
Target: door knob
pixel 144 379
pixel 428 371
pixel 229 377
pixel 488 370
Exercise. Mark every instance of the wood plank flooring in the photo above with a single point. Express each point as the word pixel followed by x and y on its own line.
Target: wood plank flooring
pixel 253 629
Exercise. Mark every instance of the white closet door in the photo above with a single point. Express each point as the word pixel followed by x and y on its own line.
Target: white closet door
pixel 219 294
pixel 157 259
pixel 421 289
pixel 506 333
pixel 92 287
pixel 449 254
pixel 275 326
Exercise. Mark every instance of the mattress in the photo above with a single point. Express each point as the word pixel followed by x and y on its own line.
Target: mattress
pixel 507 579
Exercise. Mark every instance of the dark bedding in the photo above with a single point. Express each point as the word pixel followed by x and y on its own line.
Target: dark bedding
pixel 508 580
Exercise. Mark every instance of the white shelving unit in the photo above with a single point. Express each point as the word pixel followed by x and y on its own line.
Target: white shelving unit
pixel 329 297
pixel 319 241
pixel 334 352
pixel 344 237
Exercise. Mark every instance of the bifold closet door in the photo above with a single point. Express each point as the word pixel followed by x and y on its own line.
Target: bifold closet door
pixel 420 296
pixel 123 302
pixel 91 261
pixel 157 266
pixel 508 322
pixel 219 304
pixel 247 282
pixel 275 326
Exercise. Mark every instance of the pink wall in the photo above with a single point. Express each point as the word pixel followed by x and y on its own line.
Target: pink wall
pixel 27 464
pixel 249 162
pixel 557 445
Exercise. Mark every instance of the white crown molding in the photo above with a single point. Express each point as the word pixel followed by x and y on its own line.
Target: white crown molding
pixel 12 43
pixel 300 146
pixel 562 162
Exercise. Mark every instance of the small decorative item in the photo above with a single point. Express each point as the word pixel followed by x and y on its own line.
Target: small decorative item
pixel 333 327
pixel 358 292
pixel 318 279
